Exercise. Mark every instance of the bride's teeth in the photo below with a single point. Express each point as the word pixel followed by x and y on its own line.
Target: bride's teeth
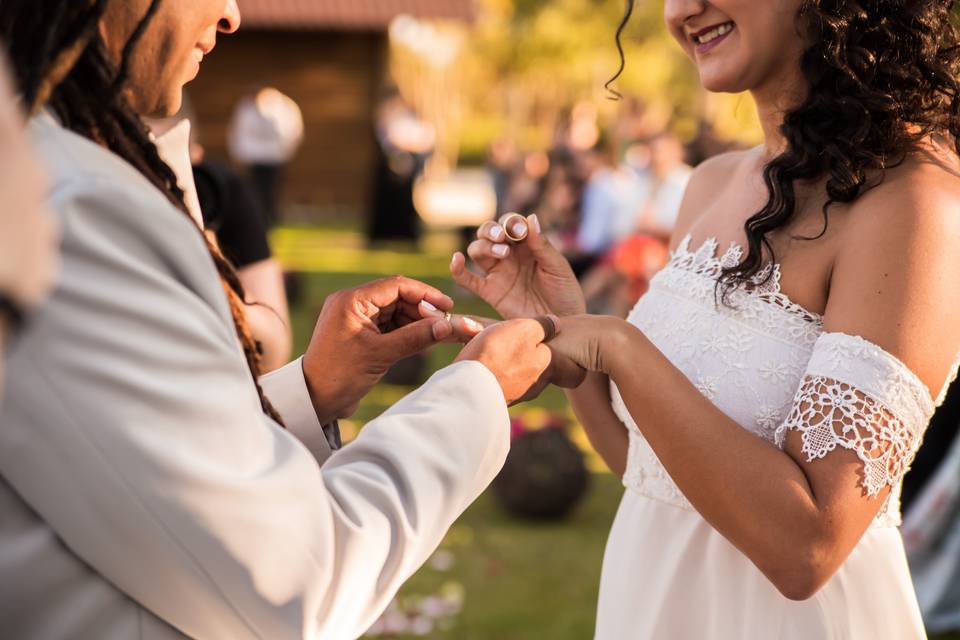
pixel 715 33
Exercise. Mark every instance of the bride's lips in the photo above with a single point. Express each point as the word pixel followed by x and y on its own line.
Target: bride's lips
pixel 723 29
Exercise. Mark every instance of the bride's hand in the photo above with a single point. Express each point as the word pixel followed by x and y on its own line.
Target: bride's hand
pixel 523 279
pixel 591 342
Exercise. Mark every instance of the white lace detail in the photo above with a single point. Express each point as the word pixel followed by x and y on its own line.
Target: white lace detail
pixel 761 305
pixel 748 360
pixel 751 359
pixel 858 397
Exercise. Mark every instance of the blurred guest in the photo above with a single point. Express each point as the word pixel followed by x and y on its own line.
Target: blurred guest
pixel 27 237
pixel 619 280
pixel 608 209
pixel 223 202
pixel 666 182
pixel 526 185
pixel 502 160
pixel 265 133
pixel 404 143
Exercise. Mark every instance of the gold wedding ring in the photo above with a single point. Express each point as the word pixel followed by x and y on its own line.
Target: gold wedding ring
pixel 448 316
pixel 507 223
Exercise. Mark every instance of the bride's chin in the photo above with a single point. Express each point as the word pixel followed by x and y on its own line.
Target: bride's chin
pixel 721 82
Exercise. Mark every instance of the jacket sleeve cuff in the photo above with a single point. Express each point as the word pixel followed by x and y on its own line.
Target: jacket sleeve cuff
pixel 287 390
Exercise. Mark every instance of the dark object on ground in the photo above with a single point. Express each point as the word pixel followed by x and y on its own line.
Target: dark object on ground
pixel 545 476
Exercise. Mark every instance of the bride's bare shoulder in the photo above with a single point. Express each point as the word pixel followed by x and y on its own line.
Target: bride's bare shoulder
pixel 920 198
pixel 895 278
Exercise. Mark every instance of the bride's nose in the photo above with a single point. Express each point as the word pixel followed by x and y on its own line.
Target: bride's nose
pixel 677 12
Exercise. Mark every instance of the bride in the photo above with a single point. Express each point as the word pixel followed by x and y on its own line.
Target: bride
pixel 766 396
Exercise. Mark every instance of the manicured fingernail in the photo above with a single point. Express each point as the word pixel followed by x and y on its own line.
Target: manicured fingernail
pixel 426 305
pixel 472 325
pixel 534 222
pixel 520 229
pixel 501 250
pixel 496 232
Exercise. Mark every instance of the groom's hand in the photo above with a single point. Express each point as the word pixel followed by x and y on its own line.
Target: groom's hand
pixel 362 332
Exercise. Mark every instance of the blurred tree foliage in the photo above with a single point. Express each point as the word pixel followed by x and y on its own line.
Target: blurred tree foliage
pixel 527 61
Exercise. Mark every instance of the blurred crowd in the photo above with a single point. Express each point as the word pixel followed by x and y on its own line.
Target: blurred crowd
pixel 608 197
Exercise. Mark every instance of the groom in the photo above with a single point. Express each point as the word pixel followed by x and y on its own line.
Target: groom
pixel 143 493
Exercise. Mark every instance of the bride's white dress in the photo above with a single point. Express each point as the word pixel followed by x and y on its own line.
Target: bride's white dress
pixel 767 363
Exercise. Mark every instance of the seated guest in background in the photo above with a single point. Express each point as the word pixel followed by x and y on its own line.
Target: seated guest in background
pixel 27 238
pixel 147 487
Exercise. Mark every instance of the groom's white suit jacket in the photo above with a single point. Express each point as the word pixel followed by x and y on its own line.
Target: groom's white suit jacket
pixel 143 493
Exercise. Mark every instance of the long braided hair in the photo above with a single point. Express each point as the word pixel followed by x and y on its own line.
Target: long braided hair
pixel 61 63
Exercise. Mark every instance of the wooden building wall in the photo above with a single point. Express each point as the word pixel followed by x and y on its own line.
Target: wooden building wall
pixel 334 77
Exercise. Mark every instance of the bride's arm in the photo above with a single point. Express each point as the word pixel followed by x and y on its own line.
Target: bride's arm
pixel 797 513
pixel 607 434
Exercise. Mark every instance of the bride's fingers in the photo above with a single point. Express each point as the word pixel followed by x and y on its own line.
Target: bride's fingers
pixel 463 276
pixel 486 254
pixel 515 226
pixel 491 231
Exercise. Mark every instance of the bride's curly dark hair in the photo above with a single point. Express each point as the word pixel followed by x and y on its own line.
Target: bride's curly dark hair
pixel 882 76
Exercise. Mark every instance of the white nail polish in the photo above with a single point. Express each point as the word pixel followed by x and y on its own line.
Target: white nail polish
pixel 428 306
pixel 519 229
pixel 501 250
pixel 496 232
pixel 535 223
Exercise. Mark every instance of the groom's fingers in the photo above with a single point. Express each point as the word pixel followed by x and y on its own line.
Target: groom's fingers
pixel 414 338
pixel 389 291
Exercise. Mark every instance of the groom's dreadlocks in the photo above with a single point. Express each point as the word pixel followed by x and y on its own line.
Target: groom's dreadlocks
pixel 61 63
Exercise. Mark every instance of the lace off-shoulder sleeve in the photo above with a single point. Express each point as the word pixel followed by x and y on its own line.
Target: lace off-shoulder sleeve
pixel 857 396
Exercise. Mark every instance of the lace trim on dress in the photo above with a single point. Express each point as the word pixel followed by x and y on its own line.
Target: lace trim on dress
pixel 761 304
pixel 857 396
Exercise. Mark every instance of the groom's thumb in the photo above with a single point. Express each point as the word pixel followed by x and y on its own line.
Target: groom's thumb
pixel 416 337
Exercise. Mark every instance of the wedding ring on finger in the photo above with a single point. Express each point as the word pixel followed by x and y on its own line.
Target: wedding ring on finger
pixel 551 326
pixel 515 226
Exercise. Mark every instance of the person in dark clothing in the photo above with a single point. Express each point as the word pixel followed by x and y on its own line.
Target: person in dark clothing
pixel 941 434
pixel 232 211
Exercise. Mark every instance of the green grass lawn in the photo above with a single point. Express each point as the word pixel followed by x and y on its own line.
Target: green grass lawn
pixel 516 580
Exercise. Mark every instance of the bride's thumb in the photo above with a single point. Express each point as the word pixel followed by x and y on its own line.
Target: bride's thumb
pixel 463 276
pixel 538 244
